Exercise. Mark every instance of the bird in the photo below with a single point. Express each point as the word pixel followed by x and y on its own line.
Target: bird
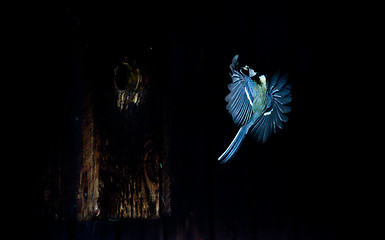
pixel 258 107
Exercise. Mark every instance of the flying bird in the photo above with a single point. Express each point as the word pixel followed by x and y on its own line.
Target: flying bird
pixel 258 106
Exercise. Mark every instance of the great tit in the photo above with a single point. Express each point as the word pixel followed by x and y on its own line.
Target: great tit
pixel 258 107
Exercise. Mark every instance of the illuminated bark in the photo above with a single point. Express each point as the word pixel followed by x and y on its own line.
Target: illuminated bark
pixel 122 169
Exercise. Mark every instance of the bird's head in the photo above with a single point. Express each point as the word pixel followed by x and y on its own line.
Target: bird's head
pixel 252 73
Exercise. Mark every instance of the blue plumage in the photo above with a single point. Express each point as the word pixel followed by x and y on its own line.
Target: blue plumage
pixel 257 108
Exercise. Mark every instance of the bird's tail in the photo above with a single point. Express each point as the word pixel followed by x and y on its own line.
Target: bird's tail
pixel 234 145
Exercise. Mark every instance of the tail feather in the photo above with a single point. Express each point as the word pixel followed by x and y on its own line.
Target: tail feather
pixel 234 146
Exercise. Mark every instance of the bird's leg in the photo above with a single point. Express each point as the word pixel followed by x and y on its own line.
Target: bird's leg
pixel 252 73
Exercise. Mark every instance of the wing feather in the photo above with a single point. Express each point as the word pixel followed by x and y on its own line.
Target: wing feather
pixel 275 115
pixel 239 101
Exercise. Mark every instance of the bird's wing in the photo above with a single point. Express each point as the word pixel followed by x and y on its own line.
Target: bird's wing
pixel 274 115
pixel 241 97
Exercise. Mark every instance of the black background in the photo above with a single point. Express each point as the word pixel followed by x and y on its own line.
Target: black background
pixel 301 184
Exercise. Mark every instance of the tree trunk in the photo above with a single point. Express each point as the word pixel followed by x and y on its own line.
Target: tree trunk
pixel 123 169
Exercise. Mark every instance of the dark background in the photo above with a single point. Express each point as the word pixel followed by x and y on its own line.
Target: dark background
pixel 301 184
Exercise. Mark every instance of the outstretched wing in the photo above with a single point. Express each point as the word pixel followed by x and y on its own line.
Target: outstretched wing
pixel 279 96
pixel 241 97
